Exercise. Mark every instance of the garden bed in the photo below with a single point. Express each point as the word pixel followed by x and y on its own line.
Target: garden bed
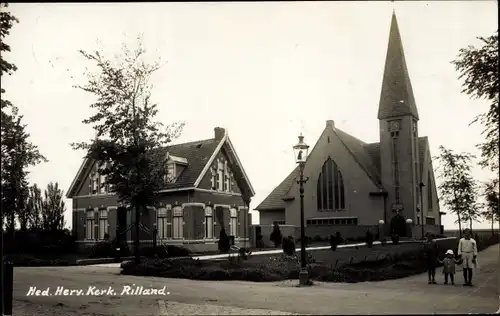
pixel 377 263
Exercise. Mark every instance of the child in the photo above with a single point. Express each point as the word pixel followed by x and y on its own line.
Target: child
pixel 431 257
pixel 449 266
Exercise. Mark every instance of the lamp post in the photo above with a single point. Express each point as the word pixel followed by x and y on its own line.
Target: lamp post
pixel 381 229
pixel 409 223
pixel 421 185
pixel 300 151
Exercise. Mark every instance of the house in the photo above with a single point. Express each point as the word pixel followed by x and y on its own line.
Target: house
pixel 208 189
pixel 352 184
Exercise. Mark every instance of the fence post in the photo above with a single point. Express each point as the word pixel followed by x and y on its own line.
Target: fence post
pixel 155 234
pixel 8 288
pixel 117 244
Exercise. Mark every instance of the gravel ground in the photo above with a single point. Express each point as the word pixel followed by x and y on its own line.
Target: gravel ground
pixel 175 308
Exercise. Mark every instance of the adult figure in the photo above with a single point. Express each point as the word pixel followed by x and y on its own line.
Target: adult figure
pixel 431 257
pixel 467 250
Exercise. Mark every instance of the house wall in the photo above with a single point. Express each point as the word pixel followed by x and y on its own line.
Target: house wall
pixel 357 184
pixel 268 217
pixel 194 216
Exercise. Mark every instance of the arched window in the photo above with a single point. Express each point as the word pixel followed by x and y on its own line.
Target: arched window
pixel 330 187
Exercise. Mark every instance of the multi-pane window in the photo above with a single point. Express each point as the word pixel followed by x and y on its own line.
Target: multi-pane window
pixel 209 223
pixel 90 225
pixel 94 183
pixel 214 178
pixel 332 221
pixel 178 223
pixel 330 188
pixel 233 224
pixel 163 225
pixel 103 223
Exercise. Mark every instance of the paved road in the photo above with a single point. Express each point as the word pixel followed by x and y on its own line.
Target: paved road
pixel 406 296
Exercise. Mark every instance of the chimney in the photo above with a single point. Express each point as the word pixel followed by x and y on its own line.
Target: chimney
pixel 219 133
pixel 330 123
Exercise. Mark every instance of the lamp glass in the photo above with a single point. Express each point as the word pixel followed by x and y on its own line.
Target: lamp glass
pixel 300 150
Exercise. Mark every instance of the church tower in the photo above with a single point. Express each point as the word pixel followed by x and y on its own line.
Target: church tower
pixel 398 124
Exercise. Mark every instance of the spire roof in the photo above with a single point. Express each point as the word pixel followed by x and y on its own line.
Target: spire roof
pixel 396 98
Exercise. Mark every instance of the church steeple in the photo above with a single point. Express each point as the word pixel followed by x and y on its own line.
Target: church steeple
pixel 396 97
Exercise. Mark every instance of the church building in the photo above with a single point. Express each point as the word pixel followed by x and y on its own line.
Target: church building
pixel 354 185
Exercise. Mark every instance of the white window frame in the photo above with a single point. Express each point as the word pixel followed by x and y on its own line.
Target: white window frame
pixel 209 223
pixel 103 223
pixel 178 223
pixel 94 183
pixel 213 179
pixel 233 222
pixel 90 224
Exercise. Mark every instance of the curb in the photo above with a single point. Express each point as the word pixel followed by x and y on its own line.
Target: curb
pixel 83 262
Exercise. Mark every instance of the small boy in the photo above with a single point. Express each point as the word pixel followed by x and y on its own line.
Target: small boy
pixel 431 257
pixel 449 266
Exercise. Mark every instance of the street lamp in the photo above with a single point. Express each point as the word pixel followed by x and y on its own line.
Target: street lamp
pixel 300 151
pixel 421 185
pixel 409 223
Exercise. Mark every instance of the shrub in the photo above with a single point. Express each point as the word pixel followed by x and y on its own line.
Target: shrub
pixel 395 239
pixel 259 241
pixel 288 245
pixel 223 243
pixel 383 241
pixel 177 251
pixel 333 242
pixel 102 249
pixel 53 243
pixel 369 239
pixel 276 236
pixel 317 238
pixel 339 238
pixel 158 251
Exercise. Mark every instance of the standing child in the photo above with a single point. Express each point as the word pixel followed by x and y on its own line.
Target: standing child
pixel 467 250
pixel 431 257
pixel 449 266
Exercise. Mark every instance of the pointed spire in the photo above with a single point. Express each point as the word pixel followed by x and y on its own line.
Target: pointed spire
pixel 396 97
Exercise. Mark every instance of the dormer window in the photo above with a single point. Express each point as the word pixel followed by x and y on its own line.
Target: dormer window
pixel 171 174
pixel 175 166
pixel 94 183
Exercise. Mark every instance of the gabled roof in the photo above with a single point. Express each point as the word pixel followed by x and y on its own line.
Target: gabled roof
pixel 199 155
pixel 274 201
pixel 366 155
pixel 396 97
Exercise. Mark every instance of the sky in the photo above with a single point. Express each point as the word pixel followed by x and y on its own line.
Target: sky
pixel 264 71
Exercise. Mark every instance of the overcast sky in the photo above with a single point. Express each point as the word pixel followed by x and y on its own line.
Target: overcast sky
pixel 265 71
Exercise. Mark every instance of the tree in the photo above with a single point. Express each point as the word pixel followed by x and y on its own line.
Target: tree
pixel 34 207
pixel 479 69
pixel 7 20
pixel 17 152
pixel 457 187
pixel 471 207
pixel 492 203
pixel 53 208
pixel 128 141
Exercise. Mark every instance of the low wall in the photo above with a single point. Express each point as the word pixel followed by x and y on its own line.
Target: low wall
pixel 346 231
pixel 266 230
pixel 417 230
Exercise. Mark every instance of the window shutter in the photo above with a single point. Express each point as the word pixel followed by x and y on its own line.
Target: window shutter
pixel 218 221
pixel 170 220
pixel 96 221
pixel 227 219
pixel 241 222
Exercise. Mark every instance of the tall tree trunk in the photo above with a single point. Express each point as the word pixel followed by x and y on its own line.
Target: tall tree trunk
pixel 137 219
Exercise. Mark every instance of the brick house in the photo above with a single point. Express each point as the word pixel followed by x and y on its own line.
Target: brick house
pixel 352 184
pixel 208 189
